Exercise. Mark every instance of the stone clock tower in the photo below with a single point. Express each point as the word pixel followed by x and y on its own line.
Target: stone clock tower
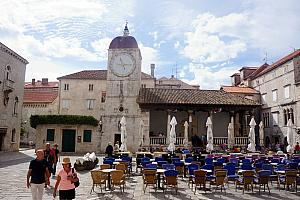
pixel 122 88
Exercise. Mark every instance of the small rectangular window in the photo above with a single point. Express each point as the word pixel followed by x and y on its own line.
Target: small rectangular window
pixel 13 135
pixel 103 96
pixel 50 134
pixel 87 135
pixel 91 87
pixel 263 98
pixel 287 91
pixel 90 104
pixel 66 86
pixel 275 118
pixel 274 95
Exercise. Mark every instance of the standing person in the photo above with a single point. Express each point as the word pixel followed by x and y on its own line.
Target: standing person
pixel 56 158
pixel 297 148
pixel 109 150
pixel 117 147
pixel 37 175
pixel 49 157
pixel 65 180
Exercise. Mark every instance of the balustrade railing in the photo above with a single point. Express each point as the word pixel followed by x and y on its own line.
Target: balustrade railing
pixel 220 140
pixel 241 141
pixel 163 140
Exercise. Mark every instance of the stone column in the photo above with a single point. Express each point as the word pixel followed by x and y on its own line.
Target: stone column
pixel 190 113
pixel 168 127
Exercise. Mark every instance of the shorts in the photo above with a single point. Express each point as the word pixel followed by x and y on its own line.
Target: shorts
pixel 67 194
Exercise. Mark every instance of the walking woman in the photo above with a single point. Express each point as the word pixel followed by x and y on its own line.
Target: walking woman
pixel 65 180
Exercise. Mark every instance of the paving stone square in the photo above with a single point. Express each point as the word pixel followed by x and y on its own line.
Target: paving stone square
pixel 14 166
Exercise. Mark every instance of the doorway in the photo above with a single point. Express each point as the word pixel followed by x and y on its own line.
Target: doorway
pixel 117 138
pixel 2 136
pixel 68 140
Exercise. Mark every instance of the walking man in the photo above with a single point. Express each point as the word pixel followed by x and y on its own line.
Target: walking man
pixel 38 175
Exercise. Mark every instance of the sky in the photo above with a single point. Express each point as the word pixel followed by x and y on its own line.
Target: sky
pixel 198 41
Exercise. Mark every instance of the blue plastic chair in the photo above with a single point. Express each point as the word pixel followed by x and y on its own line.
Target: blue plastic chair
pixel 246 161
pixel 246 166
pixel 151 166
pixel 293 165
pixel 209 161
pixel 231 171
pixel 159 159
pixel 235 161
pixel 280 167
pixel 161 163
pixel 208 167
pixel 168 166
pixel 175 160
pixel 189 159
pixel 145 161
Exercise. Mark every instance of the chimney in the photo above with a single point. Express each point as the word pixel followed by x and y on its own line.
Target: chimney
pixel 152 69
pixel 33 81
pixel 44 81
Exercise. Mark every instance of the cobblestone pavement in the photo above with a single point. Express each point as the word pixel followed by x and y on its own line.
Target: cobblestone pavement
pixel 14 166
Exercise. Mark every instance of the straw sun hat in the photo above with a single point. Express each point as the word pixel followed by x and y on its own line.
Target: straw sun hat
pixel 66 161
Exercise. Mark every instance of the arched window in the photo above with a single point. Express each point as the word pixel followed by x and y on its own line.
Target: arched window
pixel 285 117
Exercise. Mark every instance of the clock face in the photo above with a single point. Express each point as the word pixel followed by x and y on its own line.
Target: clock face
pixel 122 64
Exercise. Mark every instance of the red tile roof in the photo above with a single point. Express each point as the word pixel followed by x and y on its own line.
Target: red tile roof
pixel 38 84
pixel 39 97
pixel 235 89
pixel 94 74
pixel 191 97
pixel 279 62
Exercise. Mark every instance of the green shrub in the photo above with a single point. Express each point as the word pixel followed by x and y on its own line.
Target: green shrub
pixel 62 119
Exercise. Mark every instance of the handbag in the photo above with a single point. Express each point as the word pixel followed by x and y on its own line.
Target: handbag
pixel 76 183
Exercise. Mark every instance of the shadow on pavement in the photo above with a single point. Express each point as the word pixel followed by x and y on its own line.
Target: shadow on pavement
pixel 13 158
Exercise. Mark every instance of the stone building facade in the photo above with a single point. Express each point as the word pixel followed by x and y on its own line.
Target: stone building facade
pixel 278 85
pixel 12 76
pixel 40 98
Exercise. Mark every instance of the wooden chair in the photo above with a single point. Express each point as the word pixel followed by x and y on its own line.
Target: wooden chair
pixel 246 180
pixel 127 167
pixel 118 178
pixel 105 166
pixel 121 167
pixel 200 179
pixel 263 179
pixel 220 179
pixel 149 178
pixel 98 178
pixel 289 179
pixel 179 166
pixel 170 179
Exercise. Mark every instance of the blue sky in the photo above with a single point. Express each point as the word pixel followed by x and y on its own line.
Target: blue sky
pixel 205 41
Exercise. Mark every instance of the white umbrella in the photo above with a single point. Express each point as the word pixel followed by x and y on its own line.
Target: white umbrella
pixel 209 135
pixel 171 146
pixel 230 136
pixel 142 132
pixel 290 136
pixel 186 138
pixel 261 134
pixel 123 135
pixel 251 145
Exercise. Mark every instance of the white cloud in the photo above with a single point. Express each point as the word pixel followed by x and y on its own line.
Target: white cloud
pixel 208 78
pixel 176 44
pixel 207 43
pixel 149 56
pixel 100 47
pixel 154 35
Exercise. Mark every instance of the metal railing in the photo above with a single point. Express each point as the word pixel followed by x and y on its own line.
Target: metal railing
pixel 9 84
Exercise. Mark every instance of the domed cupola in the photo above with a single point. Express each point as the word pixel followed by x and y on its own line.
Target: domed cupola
pixel 123 42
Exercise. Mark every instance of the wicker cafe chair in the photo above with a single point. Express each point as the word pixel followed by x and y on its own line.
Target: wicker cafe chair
pixel 121 167
pixel 220 179
pixel 200 179
pixel 118 178
pixel 99 178
pixel 105 166
pixel 289 179
pixel 149 178
pixel 246 180
pixel 170 179
pixel 179 166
